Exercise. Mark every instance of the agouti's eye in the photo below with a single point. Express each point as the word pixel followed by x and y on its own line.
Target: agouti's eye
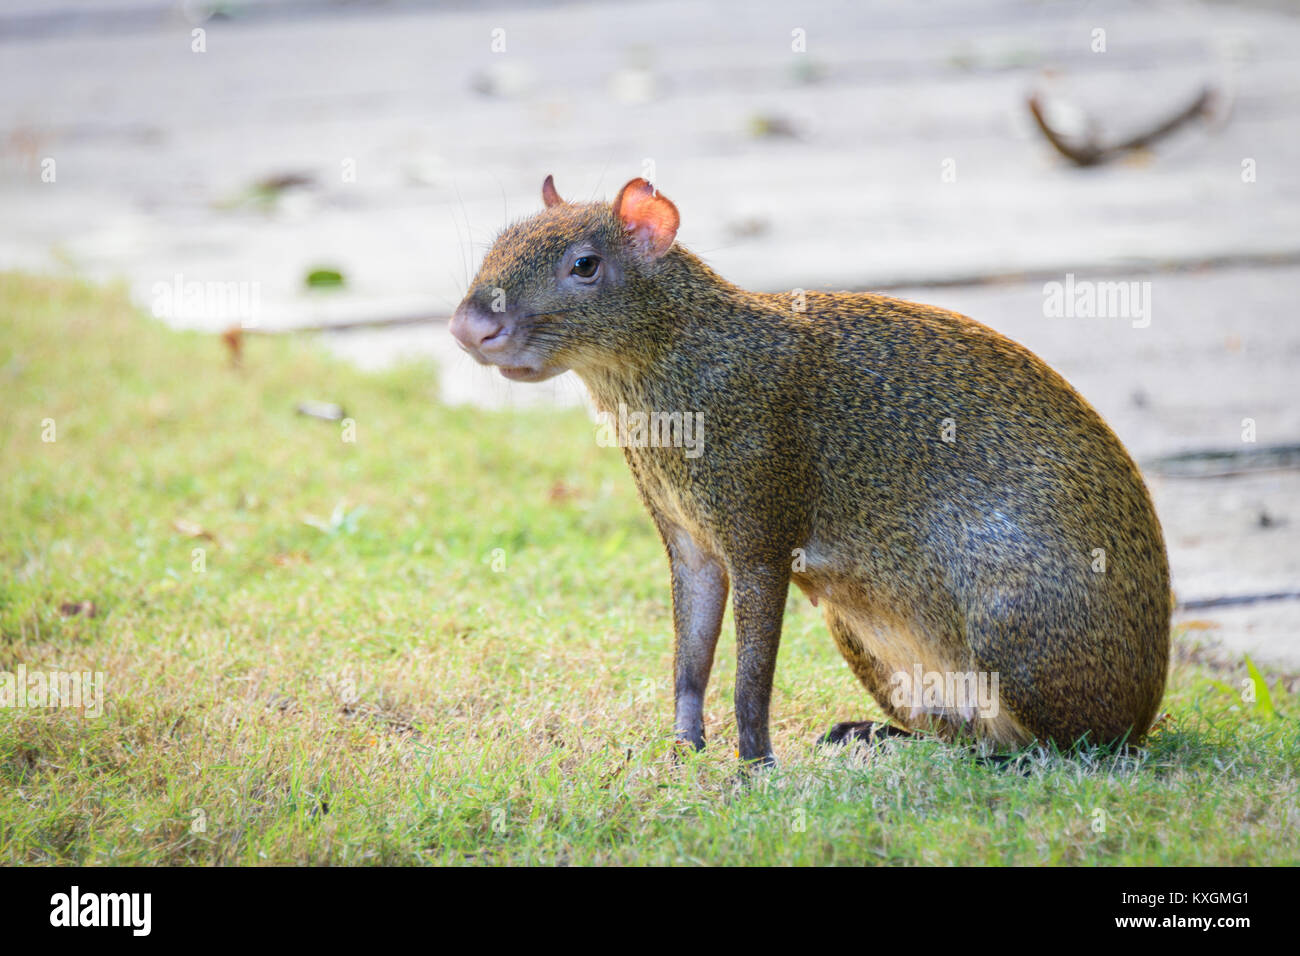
pixel 585 266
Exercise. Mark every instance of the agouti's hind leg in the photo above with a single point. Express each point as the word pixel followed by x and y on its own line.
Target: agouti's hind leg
pixel 868 731
pixel 868 670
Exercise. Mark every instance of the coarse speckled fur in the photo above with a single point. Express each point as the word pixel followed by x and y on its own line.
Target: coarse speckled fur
pixel 825 464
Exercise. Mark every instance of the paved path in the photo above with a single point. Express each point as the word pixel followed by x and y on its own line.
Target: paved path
pixel 896 152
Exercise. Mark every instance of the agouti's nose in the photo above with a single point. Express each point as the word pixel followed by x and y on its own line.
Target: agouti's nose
pixel 476 329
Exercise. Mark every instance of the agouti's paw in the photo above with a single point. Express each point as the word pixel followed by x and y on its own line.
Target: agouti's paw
pixel 868 731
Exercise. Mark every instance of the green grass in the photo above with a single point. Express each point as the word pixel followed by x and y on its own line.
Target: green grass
pixel 355 677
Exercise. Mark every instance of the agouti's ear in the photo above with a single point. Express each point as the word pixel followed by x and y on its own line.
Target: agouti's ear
pixel 549 195
pixel 650 217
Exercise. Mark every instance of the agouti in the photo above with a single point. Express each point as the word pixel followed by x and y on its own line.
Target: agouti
pixel 966 520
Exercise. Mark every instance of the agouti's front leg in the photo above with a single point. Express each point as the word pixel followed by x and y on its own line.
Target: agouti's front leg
pixel 699 599
pixel 759 604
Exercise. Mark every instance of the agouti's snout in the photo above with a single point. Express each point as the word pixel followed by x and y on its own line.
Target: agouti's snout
pixel 494 338
pixel 479 333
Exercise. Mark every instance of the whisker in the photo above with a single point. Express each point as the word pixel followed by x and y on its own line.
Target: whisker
pixel 469 235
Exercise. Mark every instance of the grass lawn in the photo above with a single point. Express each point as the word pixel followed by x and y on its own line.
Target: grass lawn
pixel 449 641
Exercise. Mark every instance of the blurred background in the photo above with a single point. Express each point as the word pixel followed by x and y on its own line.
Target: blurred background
pixel 344 165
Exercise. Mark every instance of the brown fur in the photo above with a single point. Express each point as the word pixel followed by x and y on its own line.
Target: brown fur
pixel 823 438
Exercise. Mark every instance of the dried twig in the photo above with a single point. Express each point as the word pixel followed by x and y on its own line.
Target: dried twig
pixel 1093 153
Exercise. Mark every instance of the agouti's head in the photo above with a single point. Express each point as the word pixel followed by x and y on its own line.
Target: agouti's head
pixel 558 290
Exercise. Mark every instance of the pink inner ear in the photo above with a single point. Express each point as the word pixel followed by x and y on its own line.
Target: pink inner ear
pixel 650 217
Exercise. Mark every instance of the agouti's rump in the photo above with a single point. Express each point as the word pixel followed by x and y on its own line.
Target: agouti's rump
pixel 975 514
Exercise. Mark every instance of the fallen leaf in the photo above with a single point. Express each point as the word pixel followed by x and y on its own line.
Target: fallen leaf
pixel 77 609
pixel 763 126
pixel 279 182
pixel 234 339
pixel 561 492
pixel 192 530
pixel 324 278
pixel 325 411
